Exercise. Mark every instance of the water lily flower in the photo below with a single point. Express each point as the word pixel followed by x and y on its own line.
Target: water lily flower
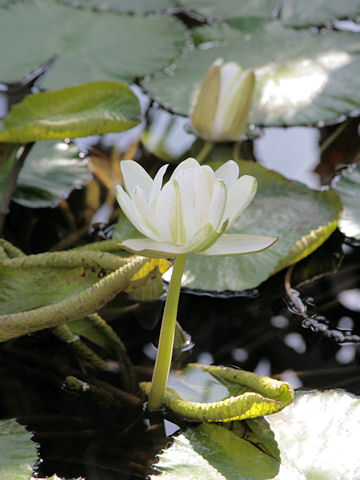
pixel 191 212
pixel 224 102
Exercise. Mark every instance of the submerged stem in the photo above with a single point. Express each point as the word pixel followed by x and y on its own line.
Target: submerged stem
pixel 166 341
pixel 204 152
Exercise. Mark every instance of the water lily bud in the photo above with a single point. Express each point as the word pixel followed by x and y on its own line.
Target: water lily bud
pixel 224 102
pixel 191 212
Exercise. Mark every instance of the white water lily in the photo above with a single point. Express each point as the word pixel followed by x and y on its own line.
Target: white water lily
pixel 191 212
pixel 224 102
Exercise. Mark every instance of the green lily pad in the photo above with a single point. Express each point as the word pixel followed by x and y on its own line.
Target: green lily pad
pixel 51 171
pixel 123 6
pixel 317 436
pixel 310 79
pixel 17 451
pixel 281 208
pixel 89 109
pixel 348 187
pixel 292 12
pixel 89 45
pixel 230 8
pixel 320 12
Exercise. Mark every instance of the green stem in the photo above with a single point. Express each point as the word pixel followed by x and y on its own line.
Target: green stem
pixel 204 152
pixel 166 341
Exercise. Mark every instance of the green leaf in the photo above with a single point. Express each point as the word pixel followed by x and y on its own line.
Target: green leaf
pixel 317 436
pixel 208 393
pixel 17 451
pixel 89 109
pixel 348 187
pixel 230 8
pixel 320 12
pixel 51 171
pixel 211 452
pixel 123 6
pixel 310 79
pixel 90 45
pixel 291 12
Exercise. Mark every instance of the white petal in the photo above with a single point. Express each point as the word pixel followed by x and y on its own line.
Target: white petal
pixel 134 175
pixel 156 186
pixel 188 163
pixel 150 248
pixel 228 172
pixel 164 211
pixel 145 213
pixel 239 196
pixel 127 207
pixel 203 180
pixel 238 244
pixel 217 205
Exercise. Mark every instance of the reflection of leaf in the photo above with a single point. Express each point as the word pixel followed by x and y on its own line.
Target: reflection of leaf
pixel 17 451
pixel 246 395
pixel 311 78
pixel 348 187
pixel 90 45
pixel 318 437
pixel 89 109
pixel 51 171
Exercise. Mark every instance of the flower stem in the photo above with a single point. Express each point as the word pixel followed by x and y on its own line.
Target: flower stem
pixel 204 152
pixel 166 341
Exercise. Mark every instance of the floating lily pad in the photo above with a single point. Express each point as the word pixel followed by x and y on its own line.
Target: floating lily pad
pixel 308 12
pixel 17 451
pixel 348 187
pixel 83 110
pixel 89 45
pixel 291 12
pixel 230 8
pixel 317 436
pixel 310 79
pixel 123 6
pixel 51 171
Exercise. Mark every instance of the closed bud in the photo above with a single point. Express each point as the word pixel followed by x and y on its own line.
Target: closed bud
pixel 224 102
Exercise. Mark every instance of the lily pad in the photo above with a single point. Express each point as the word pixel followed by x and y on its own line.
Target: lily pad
pixel 89 45
pixel 308 12
pixel 317 436
pixel 17 451
pixel 291 12
pixel 51 171
pixel 310 79
pixel 348 187
pixel 89 109
pixel 230 8
pixel 123 6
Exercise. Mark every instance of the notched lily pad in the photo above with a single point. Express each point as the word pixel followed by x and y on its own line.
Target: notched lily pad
pixel 123 6
pixel 310 79
pixel 17 451
pixel 348 187
pixel 89 45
